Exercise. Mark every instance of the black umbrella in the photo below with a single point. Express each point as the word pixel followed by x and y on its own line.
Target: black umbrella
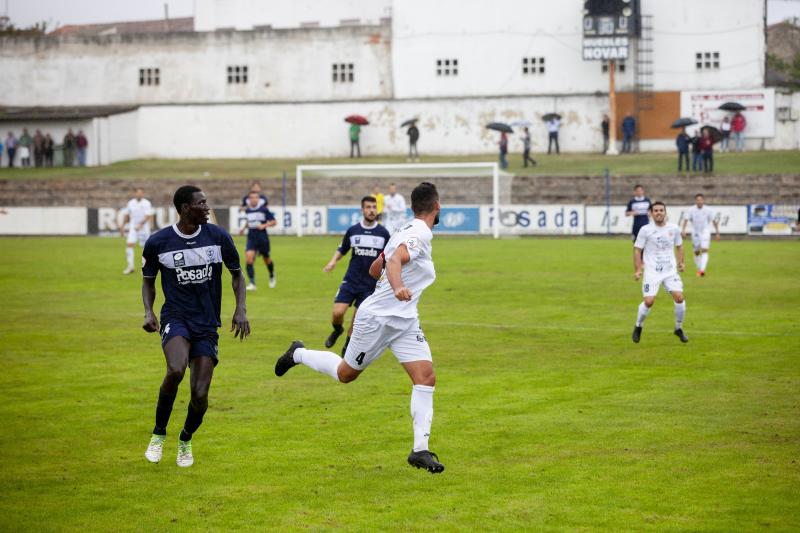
pixel 409 122
pixel 732 106
pixel 500 126
pixel 550 116
pixel 716 135
pixel 683 122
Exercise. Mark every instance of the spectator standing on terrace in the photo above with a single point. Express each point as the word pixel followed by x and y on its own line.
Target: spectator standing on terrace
pixel 11 148
pixel 683 141
pixel 413 137
pixel 604 126
pixel 725 128
pixel 503 149
pixel 738 125
pixel 526 149
pixel 38 149
pixel 69 148
pixel 24 148
pixel 81 142
pixel 553 125
pixel 628 131
pixel 697 156
pixel 706 147
pixel 48 149
pixel 355 136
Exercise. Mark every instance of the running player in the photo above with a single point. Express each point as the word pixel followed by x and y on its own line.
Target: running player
pixel 702 217
pixel 259 218
pixel 394 209
pixel 655 242
pixel 189 255
pixel 388 318
pixel 139 213
pixel 367 239
pixel 638 207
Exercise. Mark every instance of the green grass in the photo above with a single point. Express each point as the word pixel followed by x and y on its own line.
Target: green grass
pixel 547 416
pixel 785 162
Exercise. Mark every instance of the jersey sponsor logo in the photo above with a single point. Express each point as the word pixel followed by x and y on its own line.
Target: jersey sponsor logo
pixel 421 337
pixel 367 241
pixel 191 257
pixel 194 275
pixel 366 252
pixel 412 243
pixel 178 260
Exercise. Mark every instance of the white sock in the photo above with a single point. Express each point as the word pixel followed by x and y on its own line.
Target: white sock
pixel 642 314
pixel 697 262
pixel 129 256
pixel 703 261
pixel 421 415
pixel 680 311
pixel 322 362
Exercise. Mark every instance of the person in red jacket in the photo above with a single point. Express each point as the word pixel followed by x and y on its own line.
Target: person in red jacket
pixel 738 124
pixel 706 147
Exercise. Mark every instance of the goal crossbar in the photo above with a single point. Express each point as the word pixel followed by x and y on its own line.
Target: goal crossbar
pixel 493 167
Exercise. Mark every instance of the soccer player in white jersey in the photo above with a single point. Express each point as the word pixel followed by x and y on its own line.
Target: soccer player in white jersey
pixel 139 218
pixel 388 319
pixel 702 217
pixel 654 250
pixel 394 210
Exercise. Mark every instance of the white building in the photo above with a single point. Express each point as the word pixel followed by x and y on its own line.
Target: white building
pixel 275 79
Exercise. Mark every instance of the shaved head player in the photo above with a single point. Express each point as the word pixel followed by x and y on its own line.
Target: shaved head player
pixel 189 255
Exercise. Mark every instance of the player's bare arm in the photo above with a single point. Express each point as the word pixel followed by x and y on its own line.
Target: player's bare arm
pixel 239 325
pixel 148 298
pixel 679 250
pixel 337 255
pixel 377 266
pixel 394 266
pixel 124 223
pixel 637 263
pixel 716 228
pixel 683 228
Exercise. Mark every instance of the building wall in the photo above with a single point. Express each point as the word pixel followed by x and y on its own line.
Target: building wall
pixel 57 129
pixel 283 65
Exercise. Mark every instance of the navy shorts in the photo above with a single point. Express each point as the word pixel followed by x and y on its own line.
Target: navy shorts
pixel 201 343
pixel 258 242
pixel 346 295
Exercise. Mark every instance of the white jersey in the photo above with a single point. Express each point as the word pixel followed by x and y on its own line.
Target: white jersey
pixel 139 212
pixel 657 244
pixel 701 219
pixel 418 274
pixel 394 211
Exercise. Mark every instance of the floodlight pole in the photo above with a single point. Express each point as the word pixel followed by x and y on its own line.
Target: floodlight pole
pixel 612 109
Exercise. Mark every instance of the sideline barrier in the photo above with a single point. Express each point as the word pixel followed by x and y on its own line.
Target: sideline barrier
pixel 732 219
pixel 43 221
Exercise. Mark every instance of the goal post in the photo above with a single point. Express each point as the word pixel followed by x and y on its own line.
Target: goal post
pixel 414 169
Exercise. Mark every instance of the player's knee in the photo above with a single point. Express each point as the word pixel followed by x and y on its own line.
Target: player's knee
pixel 345 373
pixel 649 301
pixel 174 374
pixel 427 378
pixel 678 297
pixel 200 398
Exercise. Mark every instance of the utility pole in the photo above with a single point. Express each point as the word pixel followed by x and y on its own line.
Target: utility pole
pixel 612 109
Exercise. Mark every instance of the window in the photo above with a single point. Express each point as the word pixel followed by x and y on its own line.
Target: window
pixel 533 65
pixel 237 74
pixel 343 72
pixel 706 60
pixel 620 66
pixel 149 76
pixel 447 67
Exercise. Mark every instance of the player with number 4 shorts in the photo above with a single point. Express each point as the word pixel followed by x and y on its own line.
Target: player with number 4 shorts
pixel 653 250
pixel 388 319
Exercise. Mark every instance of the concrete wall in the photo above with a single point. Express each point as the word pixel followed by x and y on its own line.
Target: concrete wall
pixel 246 14
pixel 283 65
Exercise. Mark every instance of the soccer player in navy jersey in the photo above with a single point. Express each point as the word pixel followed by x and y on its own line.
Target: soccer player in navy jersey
pixel 639 209
pixel 367 239
pixel 259 218
pixel 189 255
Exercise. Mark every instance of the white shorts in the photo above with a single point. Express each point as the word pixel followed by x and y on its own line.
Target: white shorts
pixel 373 334
pixel 138 236
pixel 671 282
pixel 701 241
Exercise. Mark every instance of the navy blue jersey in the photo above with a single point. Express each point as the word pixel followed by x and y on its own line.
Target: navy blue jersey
pixel 367 244
pixel 257 216
pixel 191 272
pixel 640 208
pixel 262 200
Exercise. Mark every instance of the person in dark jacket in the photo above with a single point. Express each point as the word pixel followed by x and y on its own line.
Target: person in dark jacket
pixel 682 141
pixel 49 148
pixel 628 131
pixel 706 146
pixel 413 137
pixel 604 126
pixel 697 157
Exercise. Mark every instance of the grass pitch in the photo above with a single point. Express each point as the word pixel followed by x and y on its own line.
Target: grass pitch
pixel 547 416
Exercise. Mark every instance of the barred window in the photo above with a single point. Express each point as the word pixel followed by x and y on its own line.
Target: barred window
pixel 343 72
pixel 706 60
pixel 532 65
pixel 237 74
pixel 447 67
pixel 149 76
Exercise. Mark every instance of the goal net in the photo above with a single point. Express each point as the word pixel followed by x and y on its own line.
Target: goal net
pixel 470 192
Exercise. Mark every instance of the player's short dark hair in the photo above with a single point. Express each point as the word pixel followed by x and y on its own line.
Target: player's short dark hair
pixel 423 198
pixel 700 195
pixel 368 198
pixel 658 203
pixel 638 186
pixel 253 191
pixel 184 196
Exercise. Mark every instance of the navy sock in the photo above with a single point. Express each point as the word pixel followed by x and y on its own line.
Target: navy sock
pixel 271 268
pixel 194 417
pixel 251 274
pixel 163 411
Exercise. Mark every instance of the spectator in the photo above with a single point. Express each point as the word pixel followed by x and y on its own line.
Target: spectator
pixel 706 146
pixel 628 130
pixel 682 141
pixel 378 195
pixel 69 148
pixel 503 149
pixel 725 128
pixel 604 126
pixel 526 149
pixel 81 142
pixel 738 124
pixel 25 143
pixel 11 148
pixel 413 137
pixel 48 147
pixel 697 156
pixel 355 134
pixel 38 149
pixel 553 126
